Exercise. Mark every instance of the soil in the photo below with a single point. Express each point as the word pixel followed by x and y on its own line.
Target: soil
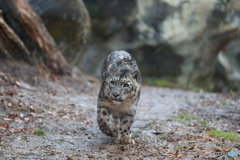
pixel 54 117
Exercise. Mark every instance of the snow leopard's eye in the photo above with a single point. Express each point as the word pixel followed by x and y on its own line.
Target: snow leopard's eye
pixel 126 85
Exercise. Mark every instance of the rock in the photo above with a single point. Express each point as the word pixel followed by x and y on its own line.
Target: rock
pixel 82 128
pixel 36 109
pixel 68 22
pixel 172 40
pixel 229 58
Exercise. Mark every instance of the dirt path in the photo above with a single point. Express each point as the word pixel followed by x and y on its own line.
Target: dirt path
pixel 170 124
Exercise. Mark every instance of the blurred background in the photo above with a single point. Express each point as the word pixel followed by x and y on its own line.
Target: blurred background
pixel 192 44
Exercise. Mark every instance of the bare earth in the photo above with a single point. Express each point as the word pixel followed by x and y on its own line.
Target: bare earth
pixel 66 111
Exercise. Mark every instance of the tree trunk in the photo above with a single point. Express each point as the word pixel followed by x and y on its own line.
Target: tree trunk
pixel 35 29
pixel 11 45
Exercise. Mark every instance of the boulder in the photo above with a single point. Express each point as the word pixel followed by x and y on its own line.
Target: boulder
pixel 172 40
pixel 67 21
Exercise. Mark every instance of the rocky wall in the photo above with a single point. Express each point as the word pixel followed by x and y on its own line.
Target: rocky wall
pixel 172 40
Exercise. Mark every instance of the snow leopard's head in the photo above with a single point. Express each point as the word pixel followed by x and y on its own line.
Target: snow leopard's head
pixel 122 86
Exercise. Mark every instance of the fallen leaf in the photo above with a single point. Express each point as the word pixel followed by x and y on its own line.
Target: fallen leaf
pixel 53 92
pixel 17 83
pixel 10 93
pixel 12 115
pixel 61 111
pixel 66 117
pixel 12 130
pixel 183 154
pixel 88 122
pixel 194 124
pixel 21 115
pixel 191 148
pixel 5 124
pixel 176 154
pixel 36 109
pixel 18 120
pixel 31 107
pixel 2 128
pixel 7 119
pixel 71 158
pixel 217 149
pixel 26 130
pixel 52 113
pixel 122 148
pixel 33 114
pixel 91 156
pixel 17 130
pixel 26 119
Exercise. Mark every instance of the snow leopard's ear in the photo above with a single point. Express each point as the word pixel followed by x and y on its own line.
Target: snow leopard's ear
pixel 137 76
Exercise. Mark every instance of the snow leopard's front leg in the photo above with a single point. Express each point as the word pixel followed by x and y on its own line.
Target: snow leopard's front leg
pixel 125 127
pixel 117 124
pixel 104 122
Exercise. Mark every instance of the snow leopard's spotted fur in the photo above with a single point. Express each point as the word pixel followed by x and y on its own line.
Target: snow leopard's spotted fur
pixel 118 96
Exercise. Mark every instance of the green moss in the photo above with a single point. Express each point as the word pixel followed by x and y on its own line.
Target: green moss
pixel 179 147
pixel 218 133
pixel 2 144
pixel 39 131
pixel 161 83
pixel 139 131
pixel 204 122
pixel 224 102
pixel 151 126
pixel 164 137
pixel 187 117
pixel 147 137
pixel 196 89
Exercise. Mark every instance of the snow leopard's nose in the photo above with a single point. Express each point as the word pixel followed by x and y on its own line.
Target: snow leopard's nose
pixel 115 94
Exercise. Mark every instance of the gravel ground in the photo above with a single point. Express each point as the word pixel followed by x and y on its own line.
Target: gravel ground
pixel 57 120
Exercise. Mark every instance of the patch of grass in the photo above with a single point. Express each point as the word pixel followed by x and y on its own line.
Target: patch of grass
pixel 179 147
pixel 161 83
pixel 198 89
pixel 139 131
pixel 204 122
pixel 39 131
pixel 151 126
pixel 164 137
pixel 224 102
pixel 2 144
pixel 177 119
pixel 187 117
pixel 147 137
pixel 218 133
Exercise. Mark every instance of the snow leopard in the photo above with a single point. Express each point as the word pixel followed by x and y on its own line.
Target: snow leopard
pixel 118 96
